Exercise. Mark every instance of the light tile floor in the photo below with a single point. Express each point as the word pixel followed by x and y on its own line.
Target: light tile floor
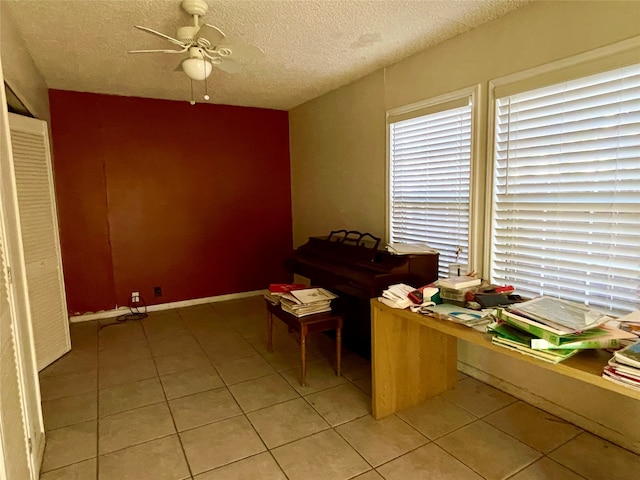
pixel 193 394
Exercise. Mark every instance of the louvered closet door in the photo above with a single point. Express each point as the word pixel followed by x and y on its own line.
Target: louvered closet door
pixel 15 458
pixel 41 243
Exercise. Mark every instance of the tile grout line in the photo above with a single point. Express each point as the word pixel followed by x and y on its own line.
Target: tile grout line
pixel 542 453
pixel 166 399
pixel 244 326
pixel 157 376
pixel 267 449
pixel 243 413
pixel 331 427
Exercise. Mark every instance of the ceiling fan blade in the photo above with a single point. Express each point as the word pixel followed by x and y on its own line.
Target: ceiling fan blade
pixel 240 52
pixel 166 37
pixel 211 33
pixel 227 65
pixel 159 51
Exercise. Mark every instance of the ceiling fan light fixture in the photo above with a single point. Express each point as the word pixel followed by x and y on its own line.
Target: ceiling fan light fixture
pixel 197 68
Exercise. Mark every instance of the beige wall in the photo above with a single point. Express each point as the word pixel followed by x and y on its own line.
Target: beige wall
pixel 337 161
pixel 20 73
pixel 338 156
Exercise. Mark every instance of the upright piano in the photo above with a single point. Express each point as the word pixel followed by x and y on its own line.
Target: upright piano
pixel 351 265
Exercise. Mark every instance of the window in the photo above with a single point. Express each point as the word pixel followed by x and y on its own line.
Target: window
pixel 430 162
pixel 566 190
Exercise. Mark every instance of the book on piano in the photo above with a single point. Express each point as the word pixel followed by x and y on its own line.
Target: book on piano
pixel 409 248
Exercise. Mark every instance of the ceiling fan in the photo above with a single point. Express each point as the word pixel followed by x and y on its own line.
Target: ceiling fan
pixel 204 45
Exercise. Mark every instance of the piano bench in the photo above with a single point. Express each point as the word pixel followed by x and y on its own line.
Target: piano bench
pixel 318 322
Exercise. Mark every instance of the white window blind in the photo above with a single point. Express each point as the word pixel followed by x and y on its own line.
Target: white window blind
pixel 566 213
pixel 430 157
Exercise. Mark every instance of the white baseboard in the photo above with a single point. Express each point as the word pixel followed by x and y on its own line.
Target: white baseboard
pixel 163 306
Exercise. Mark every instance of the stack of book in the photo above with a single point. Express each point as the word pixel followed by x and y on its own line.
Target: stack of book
pixel 276 290
pixel 552 329
pixel 624 367
pixel 514 338
pixel 306 301
pixel 454 289
pixel 460 282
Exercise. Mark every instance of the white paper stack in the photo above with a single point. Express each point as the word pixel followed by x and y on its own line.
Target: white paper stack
pixel 409 248
pixel 397 296
pixel 459 283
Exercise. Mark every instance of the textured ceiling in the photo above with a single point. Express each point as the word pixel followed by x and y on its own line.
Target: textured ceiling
pixel 311 46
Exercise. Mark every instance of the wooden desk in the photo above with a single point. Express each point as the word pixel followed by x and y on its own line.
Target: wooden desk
pixel 318 322
pixel 414 357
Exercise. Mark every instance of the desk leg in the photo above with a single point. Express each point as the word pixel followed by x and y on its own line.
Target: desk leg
pixel 269 332
pixel 303 355
pixel 410 362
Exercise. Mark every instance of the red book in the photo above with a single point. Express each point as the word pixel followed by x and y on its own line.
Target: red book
pixel 285 287
pixel 505 289
pixel 417 296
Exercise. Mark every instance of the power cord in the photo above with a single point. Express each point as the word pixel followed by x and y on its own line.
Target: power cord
pixel 137 311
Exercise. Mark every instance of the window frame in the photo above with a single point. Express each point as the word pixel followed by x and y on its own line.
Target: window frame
pixel 476 181
pixel 611 57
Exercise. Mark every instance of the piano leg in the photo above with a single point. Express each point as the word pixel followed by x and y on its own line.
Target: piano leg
pixel 338 347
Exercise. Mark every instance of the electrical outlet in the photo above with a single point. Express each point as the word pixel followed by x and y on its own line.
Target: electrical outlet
pixel 157 291
pixel 135 297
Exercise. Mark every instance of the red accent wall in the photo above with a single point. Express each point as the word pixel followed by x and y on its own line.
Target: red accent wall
pixel 193 199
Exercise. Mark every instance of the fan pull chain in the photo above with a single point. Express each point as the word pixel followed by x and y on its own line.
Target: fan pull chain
pixel 192 102
pixel 206 86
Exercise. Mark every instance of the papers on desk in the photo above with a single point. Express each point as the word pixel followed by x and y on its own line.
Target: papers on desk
pixel 629 322
pixel 552 329
pixel 398 295
pixel 561 315
pixel 477 319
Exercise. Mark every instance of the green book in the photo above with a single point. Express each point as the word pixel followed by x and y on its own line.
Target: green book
pixel 552 356
pixel 515 339
pixel 596 337
pixel 526 325
pixel 600 337
pixel 510 332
